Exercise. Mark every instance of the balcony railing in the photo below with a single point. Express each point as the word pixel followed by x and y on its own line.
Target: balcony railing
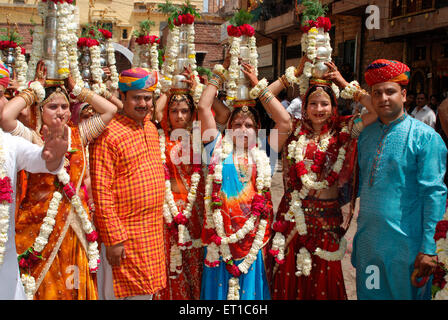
pixel 402 8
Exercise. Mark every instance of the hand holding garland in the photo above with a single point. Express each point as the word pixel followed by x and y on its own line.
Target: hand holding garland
pixel 205 115
pixel 273 107
pixel 352 90
pixel 25 99
pixel 101 105
pixel 282 82
pixel 188 74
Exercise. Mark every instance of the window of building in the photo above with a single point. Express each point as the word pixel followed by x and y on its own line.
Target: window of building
pixel 445 50
pixel 293 52
pixel 441 4
pixel 420 53
pixel 124 34
pixel 397 8
pixel 105 25
pixel 427 4
pixel 200 56
pixel 411 6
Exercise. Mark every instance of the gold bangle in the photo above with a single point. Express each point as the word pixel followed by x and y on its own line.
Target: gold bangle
pixel 85 95
pixel 89 97
pixel 220 75
pixel 284 81
pixel 357 96
pixel 29 96
pixel 107 95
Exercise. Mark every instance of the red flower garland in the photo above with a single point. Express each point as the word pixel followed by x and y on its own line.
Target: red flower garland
pixel 244 30
pixel 232 268
pixel 181 19
pixel 6 190
pixel 441 230
pixel 147 39
pixel 321 22
pixel 106 33
pixel 87 42
pixel 6 44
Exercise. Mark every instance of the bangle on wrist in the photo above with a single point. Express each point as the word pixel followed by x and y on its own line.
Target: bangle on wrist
pixel 359 94
pixel 258 89
pixel 29 96
pixel 350 90
pixel 284 82
pixel 38 90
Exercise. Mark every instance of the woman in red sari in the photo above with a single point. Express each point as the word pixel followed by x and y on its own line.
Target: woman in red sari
pixel 184 197
pixel 319 162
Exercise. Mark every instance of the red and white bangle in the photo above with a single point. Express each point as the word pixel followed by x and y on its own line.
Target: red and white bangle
pixel 350 90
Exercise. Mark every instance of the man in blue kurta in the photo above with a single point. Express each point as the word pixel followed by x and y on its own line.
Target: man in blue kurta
pixel 402 193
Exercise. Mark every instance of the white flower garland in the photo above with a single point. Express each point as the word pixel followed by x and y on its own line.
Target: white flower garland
pixel 253 53
pixel 303 263
pixel 310 42
pixel 172 51
pixel 112 64
pixel 29 284
pixel 64 13
pixel 4 205
pixel 191 54
pixel 95 69
pixel 154 55
pixel 214 219
pixel 21 68
pixel 256 91
pixel 39 90
pixel 170 212
pixel 350 90
pixel 296 150
pixel 234 70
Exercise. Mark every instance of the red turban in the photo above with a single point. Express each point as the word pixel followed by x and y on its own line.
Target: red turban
pixel 383 70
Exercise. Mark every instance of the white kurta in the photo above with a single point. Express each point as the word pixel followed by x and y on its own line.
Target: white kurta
pixel 20 155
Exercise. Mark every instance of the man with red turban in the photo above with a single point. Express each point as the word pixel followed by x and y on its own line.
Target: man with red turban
pixel 402 194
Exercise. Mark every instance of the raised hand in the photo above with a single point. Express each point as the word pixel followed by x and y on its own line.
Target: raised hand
pixel 70 83
pixel 334 75
pixel 188 74
pixel 249 72
pixel 56 143
pixel 41 72
pixel 299 69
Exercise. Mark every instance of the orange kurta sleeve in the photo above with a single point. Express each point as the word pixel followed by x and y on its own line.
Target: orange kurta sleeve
pixel 103 170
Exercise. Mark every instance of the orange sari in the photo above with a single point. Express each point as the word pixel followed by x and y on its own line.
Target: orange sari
pixel 187 284
pixel 63 273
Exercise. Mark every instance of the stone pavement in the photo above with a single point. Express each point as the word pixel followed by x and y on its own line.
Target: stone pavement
pixel 347 268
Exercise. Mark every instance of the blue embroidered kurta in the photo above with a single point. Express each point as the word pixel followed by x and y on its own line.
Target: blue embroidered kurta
pixel 402 197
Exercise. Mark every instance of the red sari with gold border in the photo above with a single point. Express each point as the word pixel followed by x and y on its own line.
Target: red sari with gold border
pixel 63 273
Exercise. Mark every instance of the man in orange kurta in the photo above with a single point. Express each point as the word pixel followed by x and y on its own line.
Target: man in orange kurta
pixel 128 185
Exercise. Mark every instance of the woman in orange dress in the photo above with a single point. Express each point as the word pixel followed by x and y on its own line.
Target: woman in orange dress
pixel 184 198
pixel 55 238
